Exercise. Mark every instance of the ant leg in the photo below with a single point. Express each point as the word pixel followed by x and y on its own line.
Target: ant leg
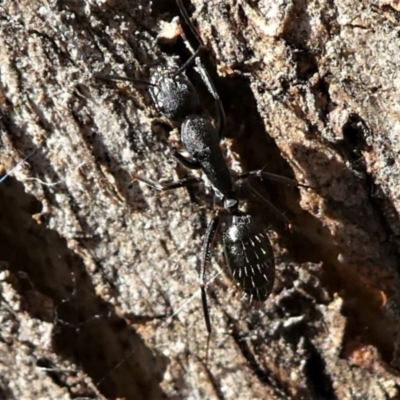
pixel 277 212
pixel 189 163
pixel 205 76
pixel 205 259
pixel 169 186
pixel 260 197
pixel 260 173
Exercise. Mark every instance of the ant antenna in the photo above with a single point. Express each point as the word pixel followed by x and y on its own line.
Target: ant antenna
pixel 188 22
pixel 205 76
pixel 3 178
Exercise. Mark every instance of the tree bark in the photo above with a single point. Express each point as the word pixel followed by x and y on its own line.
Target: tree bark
pixel 93 264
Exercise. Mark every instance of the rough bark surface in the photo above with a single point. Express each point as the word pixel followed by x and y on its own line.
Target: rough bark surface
pixel 92 264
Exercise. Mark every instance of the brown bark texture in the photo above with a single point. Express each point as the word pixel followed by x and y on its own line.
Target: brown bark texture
pixel 93 264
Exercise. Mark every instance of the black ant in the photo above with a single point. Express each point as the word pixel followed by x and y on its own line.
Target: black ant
pixel 247 248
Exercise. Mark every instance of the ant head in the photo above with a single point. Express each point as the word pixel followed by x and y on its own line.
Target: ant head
pixel 174 95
